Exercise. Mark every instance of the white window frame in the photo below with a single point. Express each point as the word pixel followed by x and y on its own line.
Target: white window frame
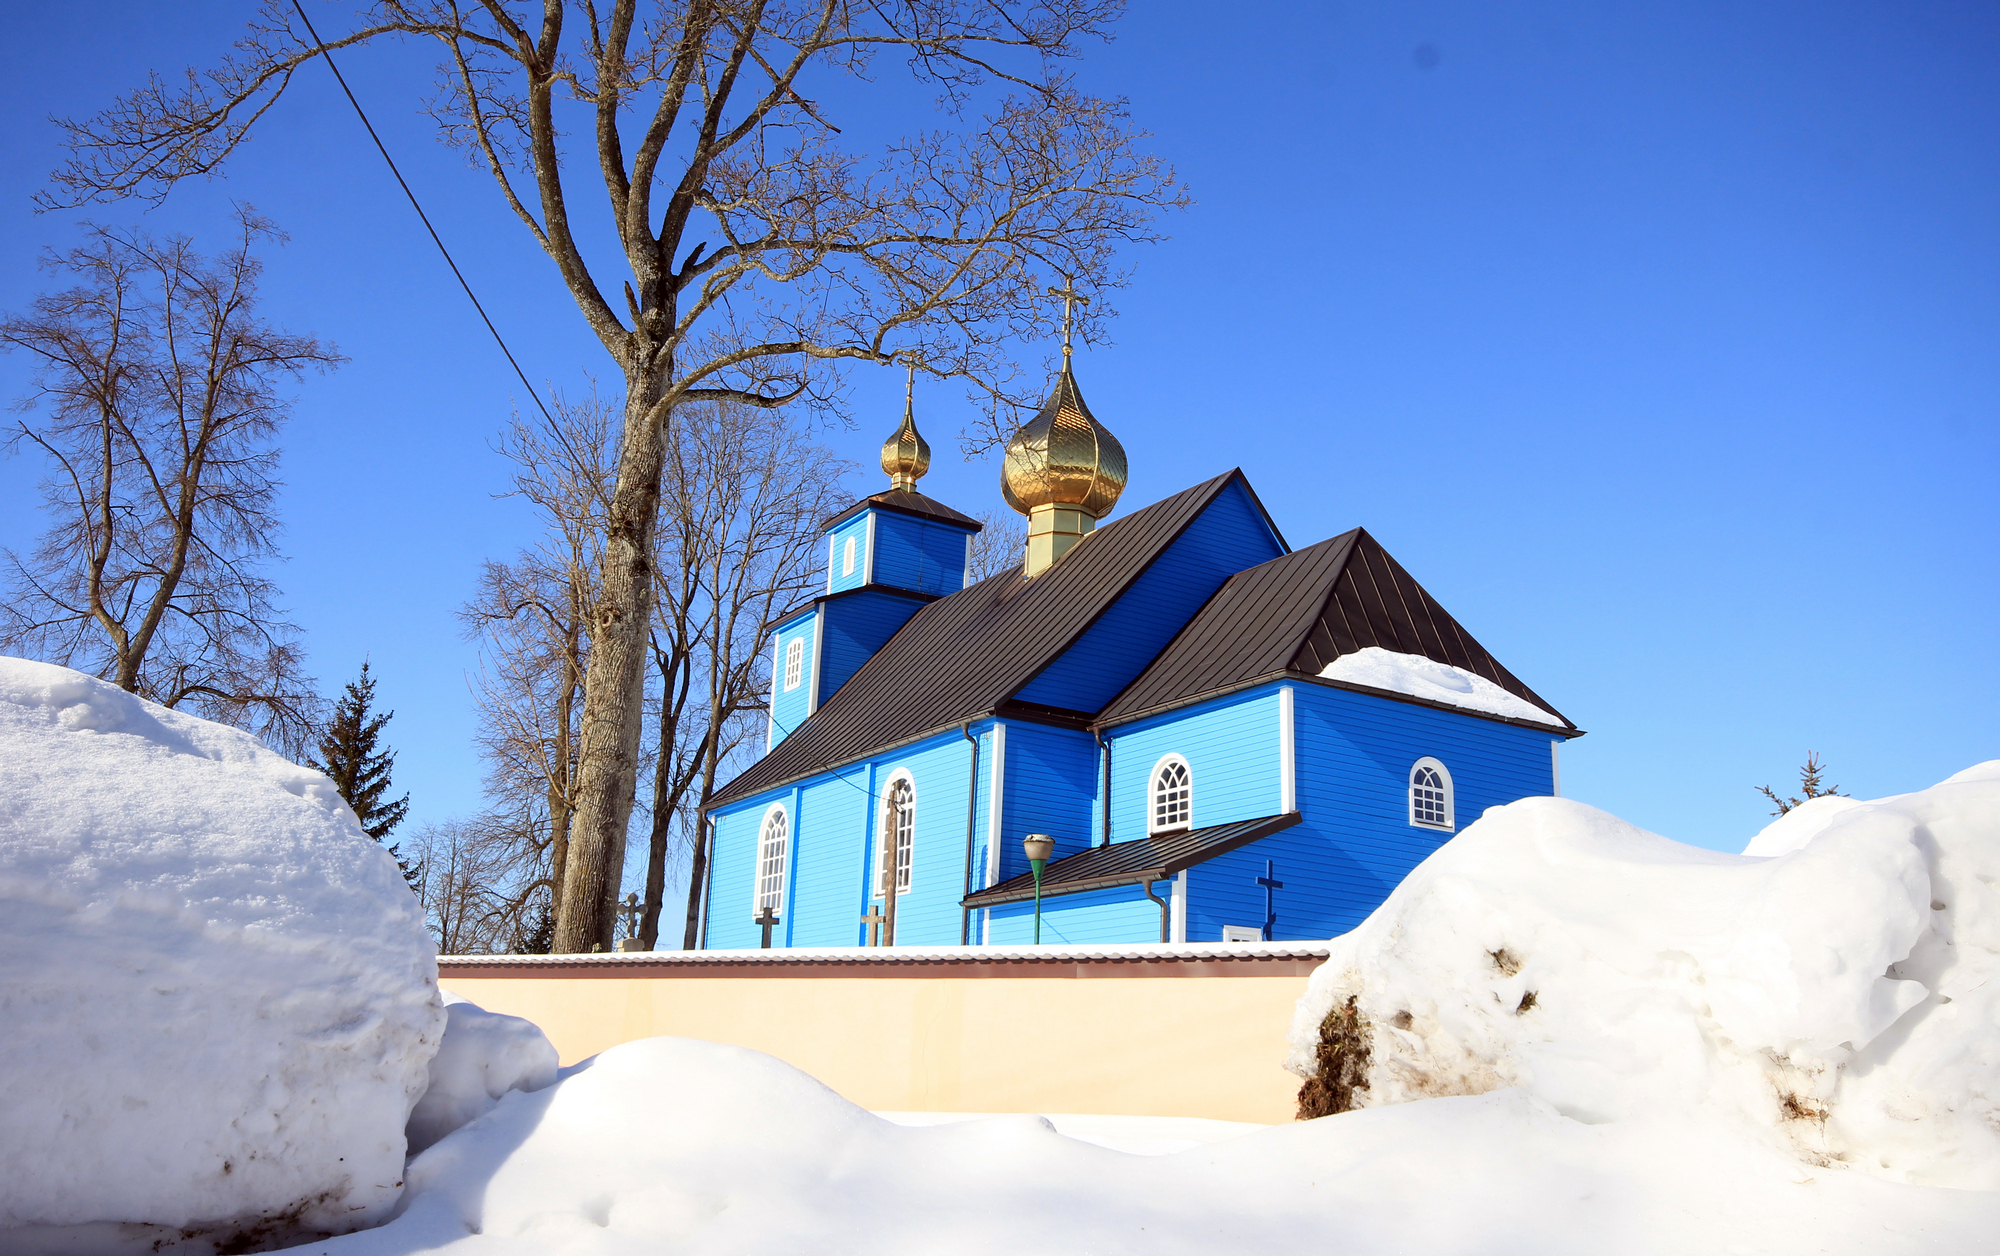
pixel 847 557
pixel 1242 933
pixel 762 875
pixel 1153 795
pixel 1410 795
pixel 884 837
pixel 795 663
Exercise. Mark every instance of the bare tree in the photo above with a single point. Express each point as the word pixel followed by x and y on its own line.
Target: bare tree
pixel 764 244
pixel 746 494
pixel 159 402
pixel 531 617
pixel 468 885
pixel 998 546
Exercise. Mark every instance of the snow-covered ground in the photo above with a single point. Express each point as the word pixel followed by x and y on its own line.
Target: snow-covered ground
pixel 1559 1035
pixel 1421 677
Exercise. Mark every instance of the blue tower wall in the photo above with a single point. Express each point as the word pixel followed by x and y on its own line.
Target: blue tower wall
pixel 789 707
pixel 926 555
pixel 1230 535
pixel 857 625
pixel 856 528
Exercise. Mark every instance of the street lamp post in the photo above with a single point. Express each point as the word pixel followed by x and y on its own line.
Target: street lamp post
pixel 1038 847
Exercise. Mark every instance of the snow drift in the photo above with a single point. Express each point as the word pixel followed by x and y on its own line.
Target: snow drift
pixel 1835 1000
pixel 483 1056
pixel 218 994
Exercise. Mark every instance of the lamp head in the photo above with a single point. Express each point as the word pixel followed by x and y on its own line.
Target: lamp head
pixel 1038 847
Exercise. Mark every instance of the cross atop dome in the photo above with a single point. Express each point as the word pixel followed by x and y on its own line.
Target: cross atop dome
pixel 906 455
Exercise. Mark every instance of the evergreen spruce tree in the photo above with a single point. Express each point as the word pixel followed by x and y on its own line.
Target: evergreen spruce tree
pixel 348 755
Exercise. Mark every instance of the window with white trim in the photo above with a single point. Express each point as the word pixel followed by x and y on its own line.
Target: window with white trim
pixel 795 662
pixel 899 830
pixel 847 558
pixel 1171 797
pixel 1430 794
pixel 773 843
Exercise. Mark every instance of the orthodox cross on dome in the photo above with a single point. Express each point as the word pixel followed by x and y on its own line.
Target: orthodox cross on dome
pixel 1271 886
pixel 1071 299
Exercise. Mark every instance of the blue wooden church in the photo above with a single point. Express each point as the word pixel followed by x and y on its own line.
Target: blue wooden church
pixel 1160 695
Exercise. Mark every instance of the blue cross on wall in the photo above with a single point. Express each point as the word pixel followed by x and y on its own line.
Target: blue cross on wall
pixel 1271 886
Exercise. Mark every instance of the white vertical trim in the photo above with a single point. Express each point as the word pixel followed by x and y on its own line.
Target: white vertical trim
pixel 777 672
pixel 1177 909
pixel 812 683
pixel 967 582
pixel 1288 781
pixel 868 560
pixel 831 542
pixel 1555 769
pixel 996 796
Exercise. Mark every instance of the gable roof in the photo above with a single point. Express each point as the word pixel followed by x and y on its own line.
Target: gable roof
pixel 905 501
pixel 962 656
pixel 1297 613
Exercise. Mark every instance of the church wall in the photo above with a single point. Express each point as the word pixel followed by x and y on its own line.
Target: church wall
pixel 1355 842
pixel 1227 537
pixel 856 528
pixel 1051 788
pixel 1118 914
pixel 830 875
pixel 928 914
pixel 733 870
pixel 920 554
pixel 856 627
pixel 1231 747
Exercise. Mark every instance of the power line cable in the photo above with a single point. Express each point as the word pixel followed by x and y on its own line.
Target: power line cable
pixel 338 77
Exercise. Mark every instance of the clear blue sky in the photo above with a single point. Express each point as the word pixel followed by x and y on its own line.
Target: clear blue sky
pixel 1657 340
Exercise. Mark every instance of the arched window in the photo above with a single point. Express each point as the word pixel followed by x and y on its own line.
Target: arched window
pixel 1430 794
pixel 773 843
pixel 847 558
pixel 899 830
pixel 1172 796
pixel 795 662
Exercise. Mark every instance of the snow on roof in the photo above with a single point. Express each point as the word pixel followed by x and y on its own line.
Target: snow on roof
pixel 1421 677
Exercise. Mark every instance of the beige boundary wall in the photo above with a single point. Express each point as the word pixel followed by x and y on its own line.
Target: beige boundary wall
pixel 1146 1030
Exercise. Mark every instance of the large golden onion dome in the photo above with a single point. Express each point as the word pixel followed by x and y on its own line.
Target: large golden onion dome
pixel 906 455
pixel 1064 457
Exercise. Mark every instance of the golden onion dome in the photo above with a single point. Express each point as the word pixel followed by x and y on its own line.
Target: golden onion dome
pixel 906 455
pixel 1064 457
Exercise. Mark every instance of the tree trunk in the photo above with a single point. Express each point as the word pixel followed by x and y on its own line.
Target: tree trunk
pixel 614 687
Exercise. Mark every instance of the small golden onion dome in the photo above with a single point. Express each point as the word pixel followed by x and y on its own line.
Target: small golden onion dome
pixel 1064 457
pixel 906 455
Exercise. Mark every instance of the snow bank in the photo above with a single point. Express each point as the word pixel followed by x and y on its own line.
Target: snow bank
pixel 1421 677
pixel 483 1056
pixel 218 997
pixel 1835 1002
pixel 669 1145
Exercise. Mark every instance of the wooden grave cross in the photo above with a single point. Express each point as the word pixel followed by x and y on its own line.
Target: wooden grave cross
pixel 1271 886
pixel 874 920
pixel 766 918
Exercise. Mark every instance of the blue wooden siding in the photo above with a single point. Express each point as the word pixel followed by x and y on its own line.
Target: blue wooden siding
pixel 789 707
pixel 857 625
pixel 1231 747
pixel 733 871
pixel 1118 914
pixel 1226 538
pixel 857 528
pixel 920 554
pixel 1050 787
pixel 833 810
pixel 1355 842
pixel 928 914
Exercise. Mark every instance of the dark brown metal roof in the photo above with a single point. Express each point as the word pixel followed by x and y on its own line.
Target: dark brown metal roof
pixel 1143 859
pixel 908 502
pixel 1297 613
pixel 961 656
